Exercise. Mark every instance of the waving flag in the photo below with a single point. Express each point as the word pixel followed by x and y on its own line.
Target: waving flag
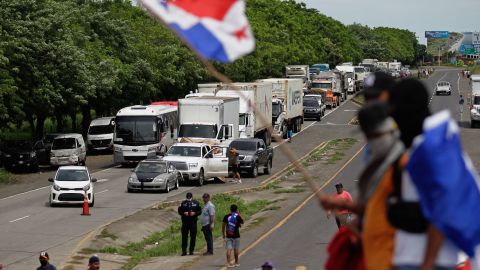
pixel 216 29
pixel 447 184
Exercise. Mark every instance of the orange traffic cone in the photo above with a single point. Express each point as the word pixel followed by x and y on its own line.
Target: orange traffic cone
pixel 86 210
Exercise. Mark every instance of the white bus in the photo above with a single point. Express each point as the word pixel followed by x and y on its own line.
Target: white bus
pixel 140 131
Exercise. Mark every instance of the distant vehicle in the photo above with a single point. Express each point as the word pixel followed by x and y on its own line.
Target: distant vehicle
pixel 155 175
pixel 100 134
pixel 198 161
pixel 299 72
pixel 361 74
pixel 443 87
pixel 70 186
pixel 474 100
pixel 312 109
pixel 319 99
pixel 321 67
pixel 254 154
pixel 68 149
pixel 349 77
pixel 20 154
pixel 139 132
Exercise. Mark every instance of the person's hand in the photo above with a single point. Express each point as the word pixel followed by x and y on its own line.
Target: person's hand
pixel 211 227
pixel 185 214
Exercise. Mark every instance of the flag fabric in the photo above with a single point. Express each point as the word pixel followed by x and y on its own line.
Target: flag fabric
pixel 216 29
pixel 448 186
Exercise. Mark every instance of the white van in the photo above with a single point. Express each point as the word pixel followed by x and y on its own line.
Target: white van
pixel 68 149
pixel 100 134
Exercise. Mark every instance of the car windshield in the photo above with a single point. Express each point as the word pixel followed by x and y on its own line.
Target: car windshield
pixel 151 167
pixel 184 151
pixel 310 103
pixel 361 70
pixel 322 85
pixel 72 175
pixel 97 130
pixel 443 84
pixel 244 145
pixel 198 131
pixel 64 143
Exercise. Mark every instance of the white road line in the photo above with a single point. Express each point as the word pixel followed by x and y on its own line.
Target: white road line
pixel 350 110
pixel 103 191
pixel 15 220
pixel 102 180
pixel 23 193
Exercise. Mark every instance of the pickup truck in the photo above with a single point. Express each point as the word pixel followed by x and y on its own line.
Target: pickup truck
pixel 198 162
pixel 253 153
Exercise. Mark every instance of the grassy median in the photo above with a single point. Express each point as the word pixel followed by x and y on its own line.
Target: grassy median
pixel 6 177
pixel 168 242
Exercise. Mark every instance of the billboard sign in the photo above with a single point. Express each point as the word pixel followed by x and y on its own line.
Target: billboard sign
pixel 476 38
pixel 436 34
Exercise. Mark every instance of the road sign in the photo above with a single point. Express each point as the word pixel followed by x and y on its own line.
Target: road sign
pixel 476 46
pixel 436 34
pixel 476 38
pixel 470 51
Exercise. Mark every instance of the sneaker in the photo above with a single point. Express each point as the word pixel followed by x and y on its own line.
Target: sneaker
pixel 207 253
pixel 230 265
pixel 237 265
pixel 184 254
pixel 239 181
pixel 191 253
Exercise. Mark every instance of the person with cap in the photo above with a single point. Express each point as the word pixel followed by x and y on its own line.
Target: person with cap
pixel 375 185
pixel 93 263
pixel 207 220
pixel 189 210
pixel 45 262
pixel 231 234
pixel 377 86
pixel 342 216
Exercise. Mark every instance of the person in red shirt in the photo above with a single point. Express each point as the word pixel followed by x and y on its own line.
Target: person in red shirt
pixel 342 216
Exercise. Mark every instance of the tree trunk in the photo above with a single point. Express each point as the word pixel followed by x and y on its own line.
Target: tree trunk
pixel 40 127
pixel 60 122
pixel 73 115
pixel 32 124
pixel 87 118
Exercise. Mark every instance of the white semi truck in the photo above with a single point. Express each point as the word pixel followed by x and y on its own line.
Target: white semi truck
pixel 208 119
pixel 287 104
pixel 349 77
pixel 474 100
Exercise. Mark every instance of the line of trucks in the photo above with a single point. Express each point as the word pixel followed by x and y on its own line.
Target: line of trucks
pixel 474 100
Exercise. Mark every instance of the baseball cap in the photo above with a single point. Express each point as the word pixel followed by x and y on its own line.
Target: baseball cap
pixel 189 195
pixel 375 83
pixel 44 255
pixel 93 259
pixel 267 264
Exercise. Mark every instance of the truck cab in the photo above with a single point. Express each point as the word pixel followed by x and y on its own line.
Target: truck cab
pixel 325 88
pixel 474 100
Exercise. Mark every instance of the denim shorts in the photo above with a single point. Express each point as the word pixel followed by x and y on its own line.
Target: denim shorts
pixel 232 243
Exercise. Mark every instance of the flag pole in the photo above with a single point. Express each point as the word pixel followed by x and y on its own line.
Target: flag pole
pixel 224 79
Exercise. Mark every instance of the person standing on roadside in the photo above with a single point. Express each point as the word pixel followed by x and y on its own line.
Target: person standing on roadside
pixel 207 221
pixel 94 263
pixel 460 103
pixel 342 216
pixel 289 130
pixel 45 262
pixel 189 210
pixel 231 234
pixel 235 164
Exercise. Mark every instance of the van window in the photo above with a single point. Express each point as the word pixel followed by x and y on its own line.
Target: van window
pixel 64 143
pixel 97 130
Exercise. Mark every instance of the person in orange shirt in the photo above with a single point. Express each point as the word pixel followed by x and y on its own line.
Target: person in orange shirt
pixel 342 216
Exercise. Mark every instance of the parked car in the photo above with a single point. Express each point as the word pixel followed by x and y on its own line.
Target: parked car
pixel 70 186
pixel 198 161
pixel 253 154
pixel 443 87
pixel 319 98
pixel 311 109
pixel 20 154
pixel 68 149
pixel 154 175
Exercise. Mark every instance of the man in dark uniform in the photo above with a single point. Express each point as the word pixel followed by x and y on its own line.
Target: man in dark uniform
pixel 44 262
pixel 189 210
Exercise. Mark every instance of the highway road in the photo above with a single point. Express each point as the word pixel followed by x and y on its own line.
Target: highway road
pixel 302 241
pixel 28 225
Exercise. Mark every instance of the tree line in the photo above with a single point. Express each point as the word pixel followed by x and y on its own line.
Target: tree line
pixel 61 58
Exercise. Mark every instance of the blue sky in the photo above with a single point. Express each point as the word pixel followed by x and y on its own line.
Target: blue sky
pixel 415 15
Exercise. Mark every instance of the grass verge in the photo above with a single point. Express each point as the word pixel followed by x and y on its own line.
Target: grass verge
pixel 168 242
pixel 6 177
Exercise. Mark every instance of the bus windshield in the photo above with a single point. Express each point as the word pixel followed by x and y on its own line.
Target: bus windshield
pixel 136 130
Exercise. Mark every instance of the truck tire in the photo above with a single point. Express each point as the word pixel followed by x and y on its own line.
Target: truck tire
pixel 295 126
pixel 284 131
pixel 299 127
pixel 201 178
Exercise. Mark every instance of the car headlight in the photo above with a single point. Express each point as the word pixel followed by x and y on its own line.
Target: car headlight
pixel 158 180
pixel 133 178
pixel 8 155
pixel 33 154
pixel 192 165
pixel 56 187
pixel 86 188
pixel 248 158
pixel 118 149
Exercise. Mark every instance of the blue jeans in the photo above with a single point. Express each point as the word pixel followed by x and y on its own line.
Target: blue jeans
pixel 414 267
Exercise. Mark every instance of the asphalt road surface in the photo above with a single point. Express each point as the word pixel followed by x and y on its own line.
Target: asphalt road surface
pixel 28 225
pixel 302 241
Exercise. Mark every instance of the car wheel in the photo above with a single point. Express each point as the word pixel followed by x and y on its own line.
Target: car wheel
pixel 93 202
pixel 50 202
pixel 84 162
pixel 167 188
pixel 268 169
pixel 129 190
pixel 177 185
pixel 254 172
pixel 319 117
pixel 201 178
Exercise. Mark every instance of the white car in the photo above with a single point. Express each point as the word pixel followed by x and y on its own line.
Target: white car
pixel 70 185
pixel 443 88
pixel 198 161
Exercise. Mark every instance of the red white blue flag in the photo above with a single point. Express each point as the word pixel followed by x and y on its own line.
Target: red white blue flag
pixel 216 29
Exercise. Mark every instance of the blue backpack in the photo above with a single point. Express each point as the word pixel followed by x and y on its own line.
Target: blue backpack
pixel 231 224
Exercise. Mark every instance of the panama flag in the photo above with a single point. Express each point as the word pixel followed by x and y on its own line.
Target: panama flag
pixel 216 29
pixel 448 186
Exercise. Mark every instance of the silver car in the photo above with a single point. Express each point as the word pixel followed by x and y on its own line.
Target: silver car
pixel 443 88
pixel 154 175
